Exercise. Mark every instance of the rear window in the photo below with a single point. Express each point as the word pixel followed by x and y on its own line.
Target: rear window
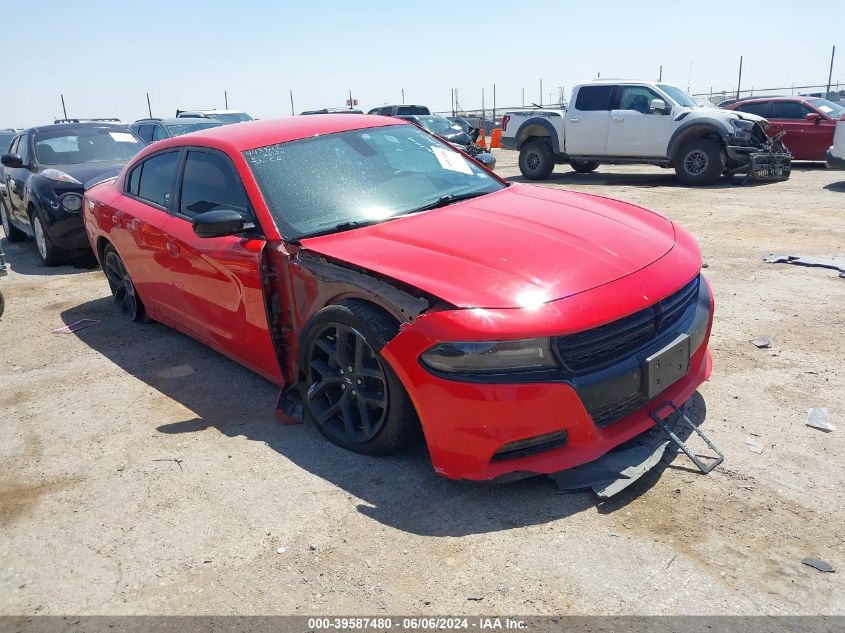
pixel 412 109
pixel 591 98
pixel 760 109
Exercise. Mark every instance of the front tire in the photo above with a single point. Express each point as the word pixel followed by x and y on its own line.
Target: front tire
pixel 351 393
pixel 536 161
pixel 122 288
pixel 699 162
pixel 13 234
pixel 584 166
pixel 49 253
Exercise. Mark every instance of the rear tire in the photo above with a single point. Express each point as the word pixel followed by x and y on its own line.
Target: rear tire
pixel 699 161
pixel 584 166
pixel 351 393
pixel 536 161
pixel 122 288
pixel 13 234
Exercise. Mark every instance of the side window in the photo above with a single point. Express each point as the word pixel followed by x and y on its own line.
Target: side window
pixel 145 131
pixel 13 149
pixel 210 182
pixel 591 98
pixel 133 179
pixel 155 181
pixel 636 98
pixel 789 110
pixel 760 109
pixel 158 133
pixel 23 148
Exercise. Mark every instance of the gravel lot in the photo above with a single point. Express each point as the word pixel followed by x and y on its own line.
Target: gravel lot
pixel 126 488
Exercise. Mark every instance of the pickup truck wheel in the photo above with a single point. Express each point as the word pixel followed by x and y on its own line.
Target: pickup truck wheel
pixel 584 166
pixel 700 161
pixel 535 160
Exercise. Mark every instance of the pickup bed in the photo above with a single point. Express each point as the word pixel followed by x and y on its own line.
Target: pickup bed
pixel 619 122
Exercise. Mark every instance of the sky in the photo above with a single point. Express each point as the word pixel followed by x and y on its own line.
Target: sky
pixel 105 55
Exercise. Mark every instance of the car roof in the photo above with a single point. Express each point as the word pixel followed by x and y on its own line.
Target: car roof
pixel 264 132
pixel 758 99
pixel 176 121
pixel 82 124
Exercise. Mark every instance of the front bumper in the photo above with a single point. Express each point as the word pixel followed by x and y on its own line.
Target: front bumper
pixel 834 162
pixel 762 164
pixel 467 423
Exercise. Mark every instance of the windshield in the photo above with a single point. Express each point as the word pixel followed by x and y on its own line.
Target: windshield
pixel 439 124
pixel 69 146
pixel 678 96
pixel 361 176
pixel 178 129
pixel 236 117
pixel 6 139
pixel 831 109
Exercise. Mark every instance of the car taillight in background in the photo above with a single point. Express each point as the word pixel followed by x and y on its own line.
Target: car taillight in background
pixel 505 120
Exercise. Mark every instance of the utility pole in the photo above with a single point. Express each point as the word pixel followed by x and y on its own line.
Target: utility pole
pixel 149 107
pixel 541 93
pixel 660 78
pixel 453 101
pixel 830 74
pixel 291 102
pixel 523 97
pixel 350 98
pixel 739 79
pixel 63 105
pixel 483 111
pixel 403 98
pixel 226 99
pixel 494 102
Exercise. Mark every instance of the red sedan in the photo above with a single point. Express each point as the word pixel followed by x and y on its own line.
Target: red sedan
pixel 808 123
pixel 391 284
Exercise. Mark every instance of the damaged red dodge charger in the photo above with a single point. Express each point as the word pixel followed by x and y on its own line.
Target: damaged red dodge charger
pixel 388 283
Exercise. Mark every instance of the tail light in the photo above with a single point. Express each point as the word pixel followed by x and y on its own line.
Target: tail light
pixel 505 120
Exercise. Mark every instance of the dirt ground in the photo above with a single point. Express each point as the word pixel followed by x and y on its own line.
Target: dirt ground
pixel 126 488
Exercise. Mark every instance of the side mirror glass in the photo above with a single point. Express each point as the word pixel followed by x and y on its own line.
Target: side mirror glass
pixel 486 159
pixel 219 223
pixel 813 117
pixel 659 105
pixel 11 161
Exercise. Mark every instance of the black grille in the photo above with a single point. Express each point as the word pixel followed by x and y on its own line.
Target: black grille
pixel 612 411
pixel 605 345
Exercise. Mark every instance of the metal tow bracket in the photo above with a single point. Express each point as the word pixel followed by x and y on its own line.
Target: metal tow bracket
pixel 661 422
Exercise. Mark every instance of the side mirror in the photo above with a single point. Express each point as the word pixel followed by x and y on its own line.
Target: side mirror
pixel 486 159
pixel 11 161
pixel 219 223
pixel 813 117
pixel 659 105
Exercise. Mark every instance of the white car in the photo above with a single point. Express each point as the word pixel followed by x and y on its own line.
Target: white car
pixel 618 122
pixel 836 153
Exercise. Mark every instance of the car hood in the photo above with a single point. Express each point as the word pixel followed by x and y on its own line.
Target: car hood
pixel 87 172
pixel 519 247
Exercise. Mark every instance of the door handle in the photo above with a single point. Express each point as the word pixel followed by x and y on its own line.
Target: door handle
pixel 575 120
pixel 618 119
pixel 172 249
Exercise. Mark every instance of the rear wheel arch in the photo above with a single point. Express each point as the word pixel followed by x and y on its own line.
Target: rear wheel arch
pixel 537 128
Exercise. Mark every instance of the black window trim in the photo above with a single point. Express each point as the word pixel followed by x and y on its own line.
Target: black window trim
pixel 180 173
pixel 767 108
pixel 140 163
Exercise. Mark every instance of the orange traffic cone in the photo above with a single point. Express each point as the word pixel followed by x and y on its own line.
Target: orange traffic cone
pixel 495 138
pixel 481 142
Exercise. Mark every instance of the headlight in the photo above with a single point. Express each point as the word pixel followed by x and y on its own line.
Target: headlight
pixel 742 128
pixel 72 201
pixel 490 357
pixel 60 176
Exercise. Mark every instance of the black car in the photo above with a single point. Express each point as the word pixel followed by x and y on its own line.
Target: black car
pixel 46 171
pixel 6 137
pixel 452 133
pixel 157 129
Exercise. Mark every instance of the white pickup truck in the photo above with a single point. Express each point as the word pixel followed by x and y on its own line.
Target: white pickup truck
pixel 619 122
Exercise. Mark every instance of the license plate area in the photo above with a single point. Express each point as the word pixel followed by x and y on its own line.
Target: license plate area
pixel 667 365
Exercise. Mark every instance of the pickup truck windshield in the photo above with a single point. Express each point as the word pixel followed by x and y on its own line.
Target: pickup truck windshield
pixel 70 146
pixel 679 96
pixel 347 179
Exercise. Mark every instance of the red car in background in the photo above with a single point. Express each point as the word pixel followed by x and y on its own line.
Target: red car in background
pixel 392 283
pixel 808 122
